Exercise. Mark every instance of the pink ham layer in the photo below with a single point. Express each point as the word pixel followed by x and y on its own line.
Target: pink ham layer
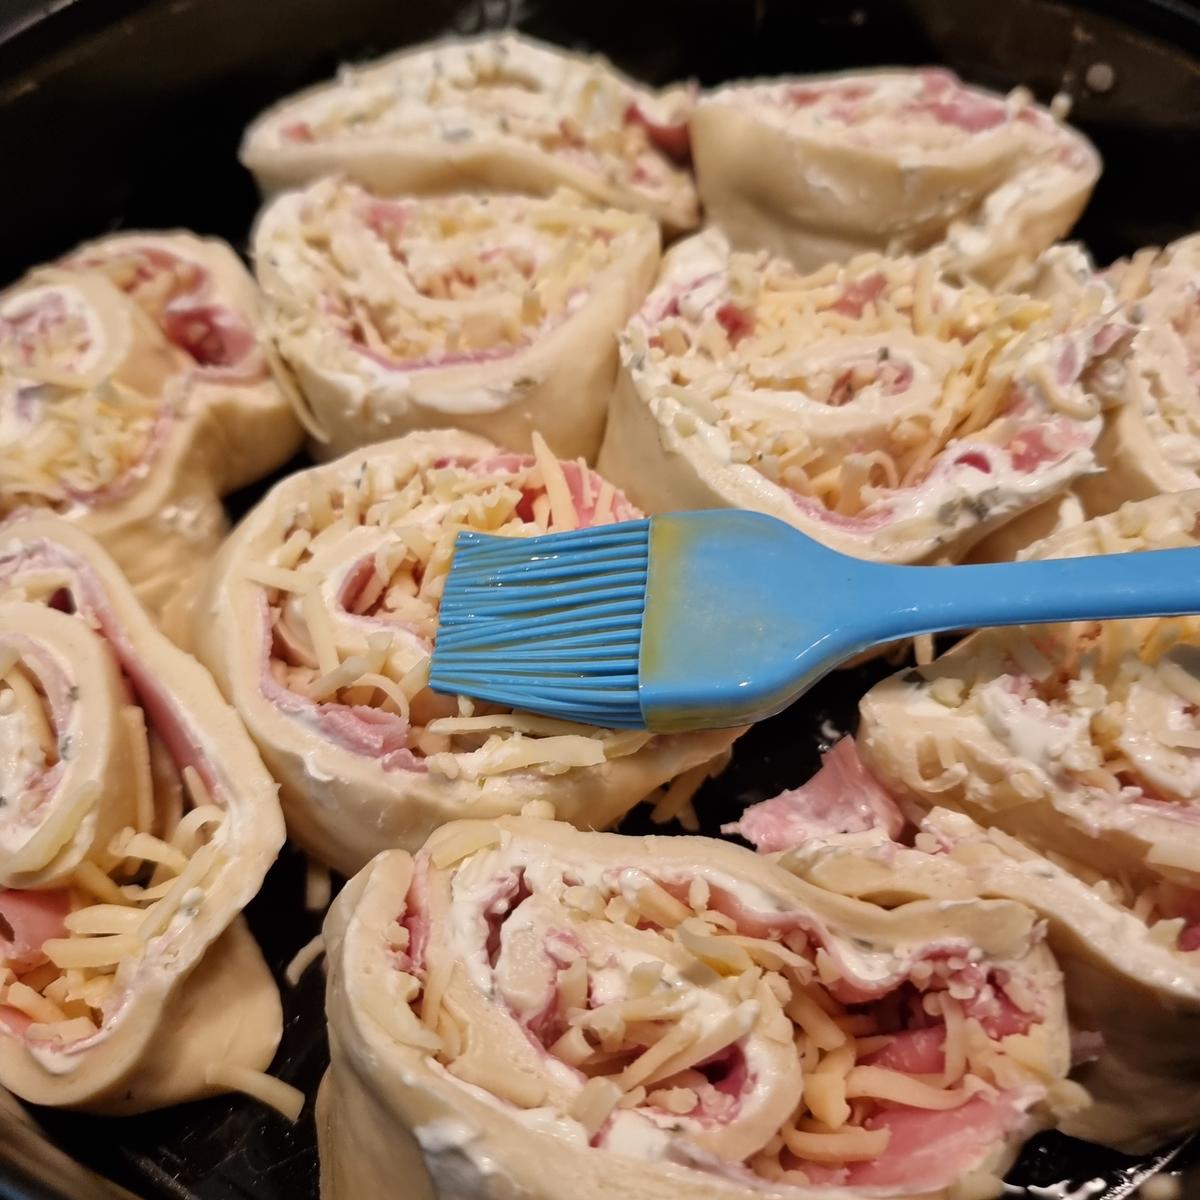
pixel 672 138
pixel 943 98
pixel 213 335
pixel 87 596
pixel 27 921
pixel 843 797
pixel 372 732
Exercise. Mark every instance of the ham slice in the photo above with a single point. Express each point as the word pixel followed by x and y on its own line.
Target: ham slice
pixel 27 920
pixel 671 137
pixel 214 337
pixel 529 933
pixel 929 1150
pixel 843 797
pixel 913 1051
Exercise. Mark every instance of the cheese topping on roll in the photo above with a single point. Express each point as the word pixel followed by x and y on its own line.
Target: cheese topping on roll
pixel 325 604
pixel 874 405
pixel 497 113
pixel 1151 442
pixel 497 314
pixel 819 169
pixel 690 1012
pixel 1164 288
pixel 1079 739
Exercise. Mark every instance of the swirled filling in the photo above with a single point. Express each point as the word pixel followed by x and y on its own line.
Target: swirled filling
pixel 179 294
pixel 412 284
pixel 508 90
pixel 688 1016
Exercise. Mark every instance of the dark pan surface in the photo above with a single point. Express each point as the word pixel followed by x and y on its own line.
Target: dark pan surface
pixel 127 113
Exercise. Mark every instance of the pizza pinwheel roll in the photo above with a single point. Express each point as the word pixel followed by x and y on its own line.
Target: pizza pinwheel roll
pixel 1132 974
pixel 874 406
pixel 1151 443
pixel 134 393
pixel 318 620
pixel 1080 739
pixel 1133 993
pixel 525 1003
pixel 136 822
pixel 499 113
pixel 494 314
pixel 822 168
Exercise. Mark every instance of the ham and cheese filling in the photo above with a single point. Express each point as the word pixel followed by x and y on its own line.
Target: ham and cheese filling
pixel 350 597
pixel 684 1014
pixel 934 107
pixel 504 94
pixel 109 833
pixel 1162 291
pixel 1081 739
pixel 180 296
pixel 845 798
pixel 1104 714
pixel 898 161
pixel 88 392
pixel 409 285
pixel 873 399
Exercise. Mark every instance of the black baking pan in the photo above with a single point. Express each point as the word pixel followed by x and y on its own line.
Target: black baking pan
pixel 127 113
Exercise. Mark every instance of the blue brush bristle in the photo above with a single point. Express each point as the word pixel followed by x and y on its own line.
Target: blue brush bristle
pixel 527 622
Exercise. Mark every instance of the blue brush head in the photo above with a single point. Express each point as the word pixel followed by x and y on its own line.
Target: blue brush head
pixel 553 620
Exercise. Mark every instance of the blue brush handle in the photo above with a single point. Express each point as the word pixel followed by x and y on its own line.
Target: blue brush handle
pixel 1153 583
pixel 744 612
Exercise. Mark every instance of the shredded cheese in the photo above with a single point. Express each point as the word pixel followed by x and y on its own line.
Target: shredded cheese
pixel 303 959
pixel 287 1100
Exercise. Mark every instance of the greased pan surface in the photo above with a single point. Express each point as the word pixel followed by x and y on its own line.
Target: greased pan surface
pixel 127 113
